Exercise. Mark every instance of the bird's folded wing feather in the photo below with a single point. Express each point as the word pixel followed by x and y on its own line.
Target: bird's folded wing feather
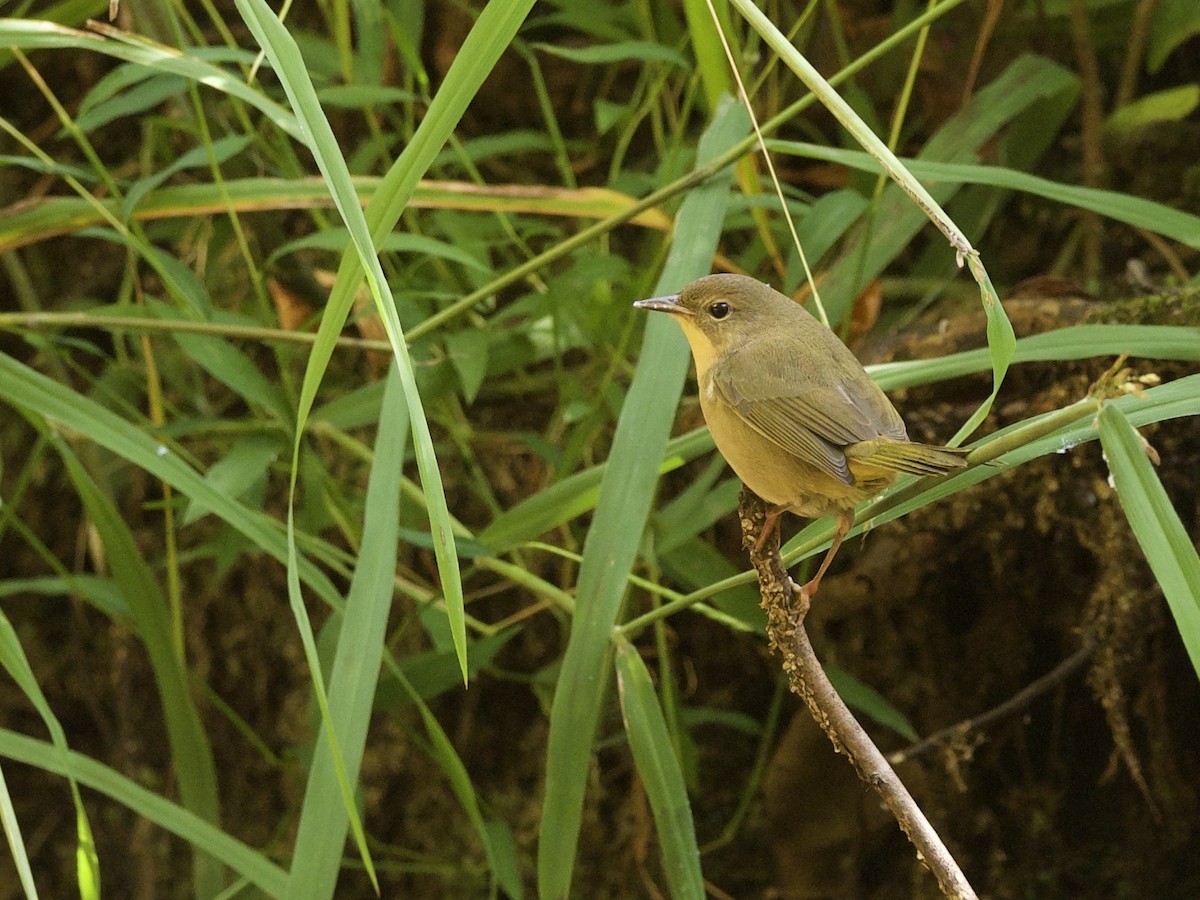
pixel 816 425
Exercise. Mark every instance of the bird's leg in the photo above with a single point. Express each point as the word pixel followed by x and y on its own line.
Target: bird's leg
pixel 769 526
pixel 845 519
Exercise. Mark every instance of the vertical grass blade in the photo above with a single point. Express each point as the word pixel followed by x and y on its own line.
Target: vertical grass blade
pixel 87 863
pixel 1155 524
pixel 492 32
pixel 16 843
pixel 661 776
pixel 621 513
pixel 291 69
pixel 321 833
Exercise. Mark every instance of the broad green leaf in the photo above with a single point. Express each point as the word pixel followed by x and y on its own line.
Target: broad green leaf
pixel 244 464
pixel 230 366
pixel 468 353
pixel 147 95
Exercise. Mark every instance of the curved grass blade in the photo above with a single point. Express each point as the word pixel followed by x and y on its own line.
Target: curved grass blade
pixel 48 217
pixel 16 843
pixel 661 776
pixel 28 34
pixel 26 388
pixel 1181 342
pixel 1155 523
pixel 87 863
pixel 490 35
pixel 202 835
pixel 291 69
pixel 621 514
pixel 1159 218
pixel 191 752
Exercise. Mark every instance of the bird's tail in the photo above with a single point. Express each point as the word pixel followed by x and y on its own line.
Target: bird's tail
pixel 907 456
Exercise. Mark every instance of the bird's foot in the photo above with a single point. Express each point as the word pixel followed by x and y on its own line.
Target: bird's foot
pixel 803 594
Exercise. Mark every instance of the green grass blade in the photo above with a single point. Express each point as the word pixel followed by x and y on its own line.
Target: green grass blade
pixel 660 773
pixel 202 835
pixel 492 32
pixel 292 71
pixel 87 863
pixel 621 513
pixel 16 843
pixel 28 34
pixel 1155 524
pixel 442 751
pixel 1181 342
pixel 1136 211
pixel 24 387
pixel 574 496
pixel 321 832
pixel 191 753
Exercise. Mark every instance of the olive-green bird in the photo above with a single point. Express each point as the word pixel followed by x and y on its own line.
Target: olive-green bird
pixel 790 408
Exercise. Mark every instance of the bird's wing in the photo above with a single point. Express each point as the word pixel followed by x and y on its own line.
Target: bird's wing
pixel 814 425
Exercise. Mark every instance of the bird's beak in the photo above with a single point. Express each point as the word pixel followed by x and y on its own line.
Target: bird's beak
pixel 669 304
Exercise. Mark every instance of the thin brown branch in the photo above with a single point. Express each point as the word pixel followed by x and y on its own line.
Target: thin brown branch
pixel 1013 704
pixel 1135 52
pixel 1092 133
pixel 785 629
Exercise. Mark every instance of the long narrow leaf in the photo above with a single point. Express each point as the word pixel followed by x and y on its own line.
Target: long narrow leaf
pixel 87 863
pixel 1155 523
pixel 191 752
pixel 16 843
pixel 202 835
pixel 1139 212
pixel 29 34
pixel 323 820
pixel 621 513
pixel 661 775
pixel 22 386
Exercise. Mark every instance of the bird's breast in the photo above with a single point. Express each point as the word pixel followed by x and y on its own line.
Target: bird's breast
pixel 767 469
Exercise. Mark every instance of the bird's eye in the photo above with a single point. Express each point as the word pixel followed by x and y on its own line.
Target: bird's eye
pixel 719 310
